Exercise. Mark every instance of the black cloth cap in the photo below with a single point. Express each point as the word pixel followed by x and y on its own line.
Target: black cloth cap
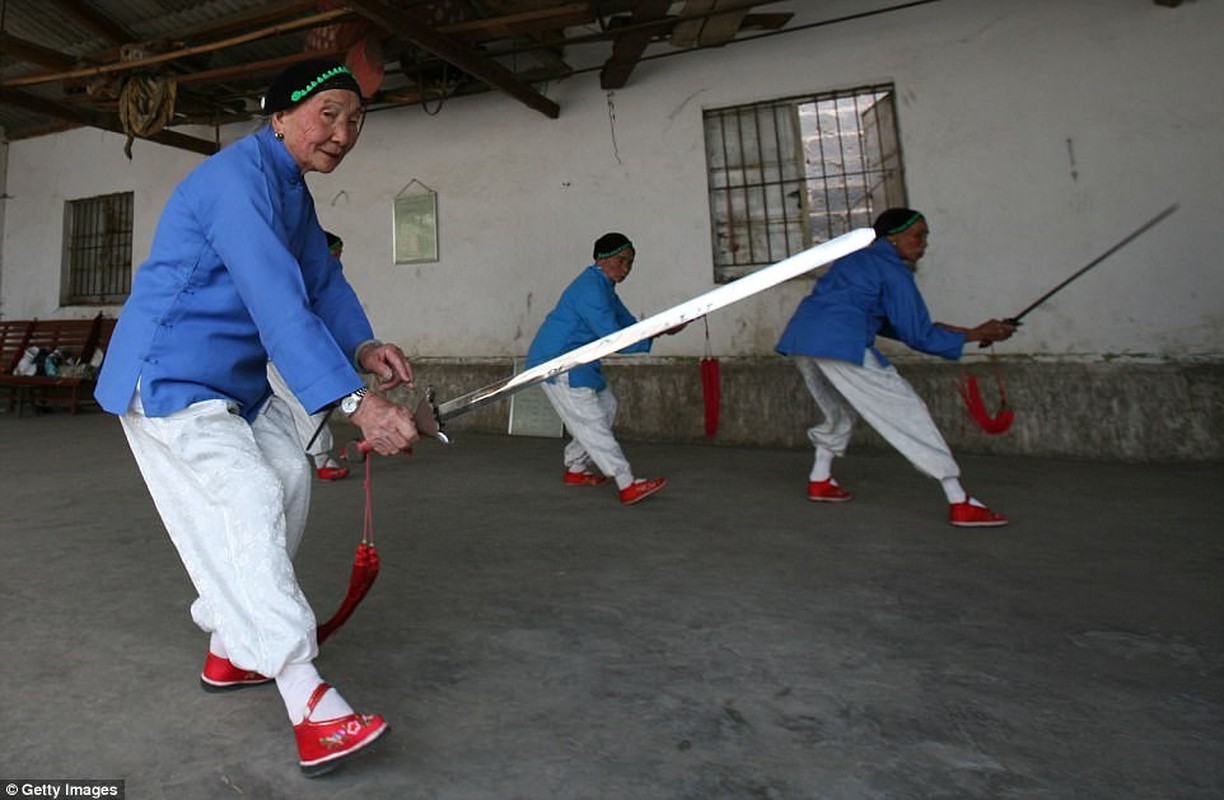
pixel 895 220
pixel 610 244
pixel 304 79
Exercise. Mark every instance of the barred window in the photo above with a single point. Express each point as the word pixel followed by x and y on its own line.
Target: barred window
pixel 791 173
pixel 97 250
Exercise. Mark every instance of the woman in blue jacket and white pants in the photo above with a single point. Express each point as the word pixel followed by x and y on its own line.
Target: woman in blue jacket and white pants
pixel 832 338
pixel 238 275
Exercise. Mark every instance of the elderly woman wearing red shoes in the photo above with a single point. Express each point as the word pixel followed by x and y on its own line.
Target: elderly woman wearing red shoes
pixel 239 275
pixel 832 339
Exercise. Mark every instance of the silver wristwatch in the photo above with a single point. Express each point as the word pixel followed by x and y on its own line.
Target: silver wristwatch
pixel 351 402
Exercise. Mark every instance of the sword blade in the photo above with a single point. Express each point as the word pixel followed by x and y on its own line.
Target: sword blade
pixel 1130 238
pixel 687 311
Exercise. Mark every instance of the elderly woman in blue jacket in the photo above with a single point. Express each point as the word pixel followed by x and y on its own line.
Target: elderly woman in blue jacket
pixel 832 338
pixel 589 309
pixel 239 274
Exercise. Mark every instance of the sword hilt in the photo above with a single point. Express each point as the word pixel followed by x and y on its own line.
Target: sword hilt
pixel 429 420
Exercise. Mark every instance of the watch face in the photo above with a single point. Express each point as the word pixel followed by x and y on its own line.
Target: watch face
pixel 349 404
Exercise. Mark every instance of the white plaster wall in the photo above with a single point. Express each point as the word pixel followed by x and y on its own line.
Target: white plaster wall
pixel 48 171
pixel 1036 134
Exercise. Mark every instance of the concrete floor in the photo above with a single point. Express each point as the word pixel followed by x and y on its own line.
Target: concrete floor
pixel 725 639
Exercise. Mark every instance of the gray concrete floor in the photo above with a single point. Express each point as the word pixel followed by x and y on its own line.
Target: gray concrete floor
pixel 725 639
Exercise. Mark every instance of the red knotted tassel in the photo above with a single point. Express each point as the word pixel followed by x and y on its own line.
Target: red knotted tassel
pixel 711 389
pixel 365 569
pixel 976 406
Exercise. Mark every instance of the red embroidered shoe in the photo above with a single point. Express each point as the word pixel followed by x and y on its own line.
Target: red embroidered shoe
pixel 968 515
pixel 330 473
pixel 827 492
pixel 322 746
pixel 641 489
pixel 220 675
pixel 584 479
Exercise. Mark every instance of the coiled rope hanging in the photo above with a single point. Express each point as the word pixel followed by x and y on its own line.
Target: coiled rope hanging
pixel 146 103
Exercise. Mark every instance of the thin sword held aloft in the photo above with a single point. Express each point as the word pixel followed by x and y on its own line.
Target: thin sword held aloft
pixel 1123 243
pixel 431 418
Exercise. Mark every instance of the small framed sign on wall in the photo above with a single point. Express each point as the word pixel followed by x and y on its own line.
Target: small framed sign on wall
pixel 416 224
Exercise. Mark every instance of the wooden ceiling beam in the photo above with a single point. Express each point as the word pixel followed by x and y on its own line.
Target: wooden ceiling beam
pixel 95 20
pixel 32 53
pixel 254 69
pixel 628 47
pixel 422 35
pixel 141 63
pixel 107 122
pixel 261 17
pixel 525 22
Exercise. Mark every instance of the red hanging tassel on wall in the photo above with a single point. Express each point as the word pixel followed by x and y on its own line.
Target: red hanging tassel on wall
pixel 711 389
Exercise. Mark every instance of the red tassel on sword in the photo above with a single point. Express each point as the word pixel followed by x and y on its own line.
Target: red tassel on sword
pixel 365 565
pixel 971 393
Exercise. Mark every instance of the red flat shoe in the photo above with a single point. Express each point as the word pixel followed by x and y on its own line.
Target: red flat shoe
pixel 220 675
pixel 827 492
pixel 641 489
pixel 968 515
pixel 322 746
pixel 333 473
pixel 584 479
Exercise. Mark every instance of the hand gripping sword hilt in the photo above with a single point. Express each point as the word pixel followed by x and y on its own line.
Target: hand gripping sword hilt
pixel 429 420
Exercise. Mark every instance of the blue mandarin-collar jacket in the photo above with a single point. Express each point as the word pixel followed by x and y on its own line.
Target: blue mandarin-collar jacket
pixel 238 274
pixel 588 310
pixel 869 293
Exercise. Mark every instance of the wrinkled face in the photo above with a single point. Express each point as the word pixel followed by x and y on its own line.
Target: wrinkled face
pixel 618 267
pixel 321 130
pixel 911 243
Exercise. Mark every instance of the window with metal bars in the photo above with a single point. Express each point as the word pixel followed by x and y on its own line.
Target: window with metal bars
pixel 787 174
pixel 97 250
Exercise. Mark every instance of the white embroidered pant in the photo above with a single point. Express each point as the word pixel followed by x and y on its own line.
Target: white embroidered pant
pixel 306 424
pixel 234 497
pixel 588 416
pixel 885 400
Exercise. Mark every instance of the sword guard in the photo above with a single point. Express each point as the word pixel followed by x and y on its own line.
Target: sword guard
pixel 428 420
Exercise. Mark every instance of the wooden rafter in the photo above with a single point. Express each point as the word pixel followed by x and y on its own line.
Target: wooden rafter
pixel 32 53
pixel 214 88
pixel 96 119
pixel 427 38
pixel 95 20
pixel 628 47
pixel 140 63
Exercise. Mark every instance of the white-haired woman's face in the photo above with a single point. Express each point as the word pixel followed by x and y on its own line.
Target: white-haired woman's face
pixel 320 131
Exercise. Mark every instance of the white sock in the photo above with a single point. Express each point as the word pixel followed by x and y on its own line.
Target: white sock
pixel 954 491
pixel 623 480
pixel 822 468
pixel 217 647
pixel 297 683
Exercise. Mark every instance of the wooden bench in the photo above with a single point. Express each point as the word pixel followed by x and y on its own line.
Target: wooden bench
pixel 77 340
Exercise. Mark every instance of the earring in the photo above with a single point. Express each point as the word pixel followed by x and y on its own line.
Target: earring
pixel 280 136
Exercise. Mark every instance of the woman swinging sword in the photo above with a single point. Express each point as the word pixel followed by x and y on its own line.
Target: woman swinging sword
pixel 832 338
pixel 238 275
